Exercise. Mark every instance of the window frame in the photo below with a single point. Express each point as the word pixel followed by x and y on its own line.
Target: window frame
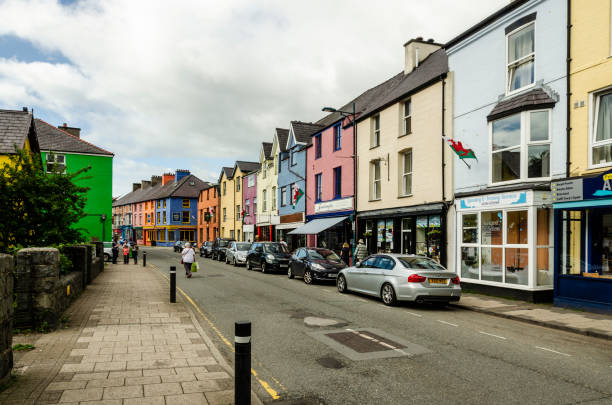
pixel 337 182
pixel 273 198
pixel 264 196
pixel 318 187
pixel 318 147
pixel 375 132
pixel 237 183
pixel 292 160
pixel 283 194
pixel 337 138
pixel 525 143
pixel 183 217
pixel 373 181
pixel 247 205
pixel 51 158
pixel 403 173
pixel 406 129
pixel 594 99
pixel 186 203
pixel 525 58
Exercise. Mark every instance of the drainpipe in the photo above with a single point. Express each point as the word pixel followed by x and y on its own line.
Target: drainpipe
pixel 568 92
pixel 443 134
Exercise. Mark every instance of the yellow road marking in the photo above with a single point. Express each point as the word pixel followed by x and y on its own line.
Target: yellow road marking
pixel 263 383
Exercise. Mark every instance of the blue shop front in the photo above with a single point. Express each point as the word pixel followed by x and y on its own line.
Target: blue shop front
pixel 583 242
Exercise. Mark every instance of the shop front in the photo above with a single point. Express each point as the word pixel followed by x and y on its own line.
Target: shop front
pixel 583 242
pixel 504 244
pixel 287 224
pixel 412 230
pixel 248 232
pixel 329 231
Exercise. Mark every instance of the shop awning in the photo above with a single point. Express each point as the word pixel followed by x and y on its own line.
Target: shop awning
pixel 317 225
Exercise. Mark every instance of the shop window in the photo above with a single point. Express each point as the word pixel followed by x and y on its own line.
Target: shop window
pixel 571 243
pixel 521 58
pixel 602 130
pixel 544 248
pixel 384 241
pixel 428 235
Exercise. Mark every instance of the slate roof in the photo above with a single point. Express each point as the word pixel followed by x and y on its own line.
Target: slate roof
pixel 187 187
pixel 530 100
pixel 229 172
pixel 14 129
pixel 267 147
pixel 282 135
pixel 54 139
pixel 247 167
pixel 303 131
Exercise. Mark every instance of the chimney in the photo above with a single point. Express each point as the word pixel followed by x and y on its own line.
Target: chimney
pixel 71 130
pixel 24 109
pixel 155 180
pixel 146 184
pixel 180 173
pixel 167 178
pixel 416 50
pixel 135 186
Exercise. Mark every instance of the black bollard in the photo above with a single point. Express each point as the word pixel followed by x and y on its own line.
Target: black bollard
pixel 242 363
pixel 144 259
pixel 172 283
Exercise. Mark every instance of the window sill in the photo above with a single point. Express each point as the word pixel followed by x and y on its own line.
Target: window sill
pixel 403 135
pixel 509 182
pixel 599 166
pixel 374 200
pixel 405 196
pixel 517 91
pixel 374 147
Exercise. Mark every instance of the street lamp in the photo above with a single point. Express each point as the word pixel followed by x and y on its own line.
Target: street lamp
pixel 354 115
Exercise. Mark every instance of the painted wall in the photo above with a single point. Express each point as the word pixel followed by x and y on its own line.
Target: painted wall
pixel 5 159
pixel 479 66
pixel 325 165
pixel 590 71
pixel 226 202
pixel 290 174
pixel 250 193
pixel 237 207
pixel 208 200
pixel 99 179
pixel 426 143
pixel 267 216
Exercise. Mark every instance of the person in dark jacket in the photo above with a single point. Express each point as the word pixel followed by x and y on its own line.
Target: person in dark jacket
pixel 115 249
pixel 344 253
pixel 135 253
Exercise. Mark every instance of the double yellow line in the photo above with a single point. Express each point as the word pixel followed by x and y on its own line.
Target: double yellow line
pixel 273 393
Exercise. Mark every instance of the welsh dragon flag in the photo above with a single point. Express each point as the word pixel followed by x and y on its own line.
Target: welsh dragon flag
pixel 297 194
pixel 460 150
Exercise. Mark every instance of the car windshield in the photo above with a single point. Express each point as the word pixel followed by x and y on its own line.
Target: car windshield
pixel 223 243
pixel 420 263
pixel 243 246
pixel 323 255
pixel 275 248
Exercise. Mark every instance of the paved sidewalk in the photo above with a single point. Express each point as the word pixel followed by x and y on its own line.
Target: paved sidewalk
pixel 586 323
pixel 127 345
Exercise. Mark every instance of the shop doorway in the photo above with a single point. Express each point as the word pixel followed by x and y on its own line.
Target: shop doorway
pixel 407 236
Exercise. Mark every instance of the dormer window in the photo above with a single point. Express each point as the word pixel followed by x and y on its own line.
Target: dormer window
pixel 521 57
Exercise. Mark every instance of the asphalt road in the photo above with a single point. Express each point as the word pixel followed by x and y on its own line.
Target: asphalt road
pixel 445 355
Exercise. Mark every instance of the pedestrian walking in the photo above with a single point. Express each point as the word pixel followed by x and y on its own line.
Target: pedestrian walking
pixel 188 255
pixel 282 242
pixel 135 253
pixel 115 250
pixel 344 253
pixel 126 254
pixel 361 251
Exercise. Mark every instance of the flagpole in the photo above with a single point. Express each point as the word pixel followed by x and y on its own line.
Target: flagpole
pixel 469 167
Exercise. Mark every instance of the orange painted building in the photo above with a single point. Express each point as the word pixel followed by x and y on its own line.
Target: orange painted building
pixel 208 201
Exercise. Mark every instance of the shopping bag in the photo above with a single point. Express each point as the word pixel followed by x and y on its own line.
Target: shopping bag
pixel 195 267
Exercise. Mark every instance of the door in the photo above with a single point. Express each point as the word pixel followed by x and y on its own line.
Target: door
pixel 357 276
pixel 297 265
pixel 375 275
pixel 407 236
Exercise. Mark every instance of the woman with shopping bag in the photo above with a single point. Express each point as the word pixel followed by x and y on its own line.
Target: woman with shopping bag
pixel 188 257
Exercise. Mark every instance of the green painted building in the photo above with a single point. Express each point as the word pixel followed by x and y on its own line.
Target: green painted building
pixel 69 150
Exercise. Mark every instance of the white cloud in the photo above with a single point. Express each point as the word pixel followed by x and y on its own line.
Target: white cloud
pixel 161 80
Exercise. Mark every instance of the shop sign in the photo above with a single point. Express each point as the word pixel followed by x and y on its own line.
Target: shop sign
pixel 603 187
pixel 485 201
pixel 567 190
pixel 334 205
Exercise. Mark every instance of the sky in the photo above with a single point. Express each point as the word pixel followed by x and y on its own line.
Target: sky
pixel 199 84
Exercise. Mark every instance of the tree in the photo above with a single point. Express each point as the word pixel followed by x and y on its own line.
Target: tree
pixel 38 208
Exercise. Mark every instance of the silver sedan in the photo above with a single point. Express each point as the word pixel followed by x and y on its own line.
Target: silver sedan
pixel 236 253
pixel 397 277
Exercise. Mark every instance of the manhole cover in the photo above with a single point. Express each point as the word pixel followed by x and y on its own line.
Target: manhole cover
pixel 330 362
pixel 315 321
pixel 365 344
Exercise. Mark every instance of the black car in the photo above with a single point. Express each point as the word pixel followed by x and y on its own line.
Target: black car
pixel 179 245
pixel 218 248
pixel 315 264
pixel 269 256
pixel 206 249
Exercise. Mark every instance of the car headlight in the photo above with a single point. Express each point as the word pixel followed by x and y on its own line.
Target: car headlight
pixel 270 257
pixel 317 266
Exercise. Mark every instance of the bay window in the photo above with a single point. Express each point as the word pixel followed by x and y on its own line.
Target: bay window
pixel 602 129
pixel 520 146
pixel 521 58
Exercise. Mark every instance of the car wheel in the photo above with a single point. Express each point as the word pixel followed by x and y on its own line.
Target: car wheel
pixel 341 284
pixel 388 294
pixel 290 272
pixel 264 267
pixel 235 262
pixel 308 277
pixel 107 257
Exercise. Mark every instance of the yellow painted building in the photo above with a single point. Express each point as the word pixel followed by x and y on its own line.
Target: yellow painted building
pixel 17 130
pixel 267 183
pixel 227 203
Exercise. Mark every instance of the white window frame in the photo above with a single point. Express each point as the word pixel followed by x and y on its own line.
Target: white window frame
pixel 273 198
pixel 247 205
pixel 283 194
pixel 406 117
pixel 524 58
pixel 264 198
pixel 404 174
pixel 593 117
pixel 375 132
pixel 52 159
pixel 375 183
pixel 525 117
pixel 251 180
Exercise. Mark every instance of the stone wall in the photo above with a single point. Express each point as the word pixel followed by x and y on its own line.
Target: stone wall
pixel 6 317
pixel 65 295
pixel 78 257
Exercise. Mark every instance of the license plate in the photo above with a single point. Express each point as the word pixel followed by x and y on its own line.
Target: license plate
pixel 284 265
pixel 437 281
pixel 332 275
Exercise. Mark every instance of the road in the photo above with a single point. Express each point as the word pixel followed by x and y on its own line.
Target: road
pixel 444 355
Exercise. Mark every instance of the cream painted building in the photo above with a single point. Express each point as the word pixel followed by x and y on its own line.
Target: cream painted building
pixel 267 184
pixel 404 168
pixel 227 202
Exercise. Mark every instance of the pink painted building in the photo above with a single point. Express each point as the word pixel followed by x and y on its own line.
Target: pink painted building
pixel 249 204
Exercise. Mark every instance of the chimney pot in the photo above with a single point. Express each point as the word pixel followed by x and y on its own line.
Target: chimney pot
pixel 430 40
pixel 419 38
pixel 24 109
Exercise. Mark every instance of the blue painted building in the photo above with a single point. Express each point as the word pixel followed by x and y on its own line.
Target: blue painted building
pixel 509 79
pixel 176 206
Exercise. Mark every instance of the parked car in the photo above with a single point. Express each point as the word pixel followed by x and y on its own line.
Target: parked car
pixel 397 277
pixel 236 253
pixel 315 264
pixel 179 245
pixel 206 249
pixel 269 256
pixel 108 251
pixel 218 248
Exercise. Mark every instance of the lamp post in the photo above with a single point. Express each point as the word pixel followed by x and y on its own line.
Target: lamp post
pixel 354 115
